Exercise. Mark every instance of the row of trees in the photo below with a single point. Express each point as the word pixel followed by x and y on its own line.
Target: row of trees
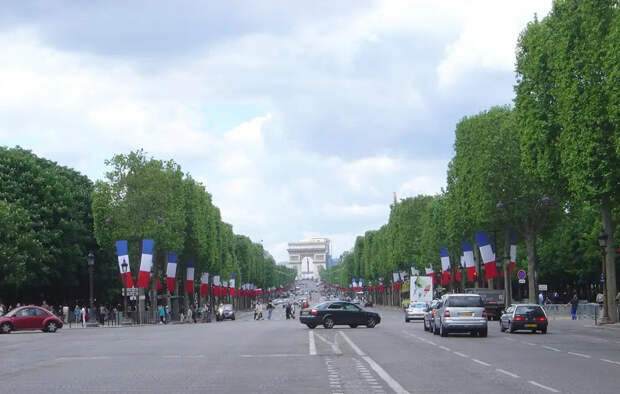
pixel 51 216
pixel 546 169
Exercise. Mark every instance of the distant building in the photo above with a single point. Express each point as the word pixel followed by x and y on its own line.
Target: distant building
pixel 308 257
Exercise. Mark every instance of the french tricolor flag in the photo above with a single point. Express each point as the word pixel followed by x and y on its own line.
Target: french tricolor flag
pixel 171 271
pixel 458 270
pixel 488 257
pixel 204 284
pixel 123 256
pixel 189 282
pixel 468 259
pixel 146 263
pixel 513 252
pixel 429 272
pixel 445 266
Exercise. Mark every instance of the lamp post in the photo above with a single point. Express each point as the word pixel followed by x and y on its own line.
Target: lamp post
pixel 602 243
pixel 124 266
pixel 90 259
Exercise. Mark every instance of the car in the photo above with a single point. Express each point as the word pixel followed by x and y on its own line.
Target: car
pixel 224 312
pixel 429 314
pixel 524 317
pixel 461 313
pixel 29 318
pixel 493 301
pixel 415 311
pixel 333 313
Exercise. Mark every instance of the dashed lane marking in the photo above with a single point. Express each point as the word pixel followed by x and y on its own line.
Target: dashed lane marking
pixel 275 355
pixel 481 362
pixel 333 345
pixel 579 355
pixel 447 349
pixel 610 361
pixel 514 375
pixel 311 343
pixel 530 343
pixel 460 354
pixel 551 348
pixel 542 386
pixel 394 385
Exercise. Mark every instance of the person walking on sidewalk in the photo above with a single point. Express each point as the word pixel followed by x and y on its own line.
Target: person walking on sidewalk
pixel 162 315
pixel 269 310
pixel 574 302
pixel 83 316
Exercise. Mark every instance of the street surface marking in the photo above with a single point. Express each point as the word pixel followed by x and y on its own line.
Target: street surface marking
pixel 510 339
pixel 610 361
pixel 530 343
pixel 551 348
pixel 311 343
pixel 542 386
pixel 260 355
pixel 83 358
pixel 431 343
pixel 333 345
pixel 506 372
pixel 579 354
pixel 394 385
pixel 481 362
pixel 460 354
pixel 447 349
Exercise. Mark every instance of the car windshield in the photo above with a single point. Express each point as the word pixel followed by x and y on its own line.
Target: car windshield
pixel 228 307
pixel 464 301
pixel 417 305
pixel 530 310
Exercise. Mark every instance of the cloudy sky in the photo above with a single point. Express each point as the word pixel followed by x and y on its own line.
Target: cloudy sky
pixel 301 118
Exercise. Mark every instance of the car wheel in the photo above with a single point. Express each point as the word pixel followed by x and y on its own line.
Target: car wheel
pixel 511 328
pixel 406 320
pixel 544 330
pixel 51 326
pixel 425 326
pixel 533 331
pixel 311 326
pixel 5 328
pixel 435 329
pixel 353 325
pixel 233 317
pixel 501 327
pixel 442 331
pixel 483 333
pixel 371 323
pixel 328 323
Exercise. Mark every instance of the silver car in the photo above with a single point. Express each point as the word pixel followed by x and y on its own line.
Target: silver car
pixel 461 313
pixel 415 311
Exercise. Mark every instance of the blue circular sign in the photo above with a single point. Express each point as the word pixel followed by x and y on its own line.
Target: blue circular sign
pixel 521 274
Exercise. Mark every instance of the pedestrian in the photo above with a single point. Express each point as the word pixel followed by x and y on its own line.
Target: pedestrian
pixel 189 315
pixel 65 313
pixel 599 299
pixel 541 298
pixel 162 315
pixel 1 309
pixel 574 302
pixel 269 309
pixel 102 314
pixel 83 316
pixel 256 311
pixel 167 309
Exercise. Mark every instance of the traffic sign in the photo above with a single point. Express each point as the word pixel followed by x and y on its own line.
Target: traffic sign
pixel 131 291
pixel 542 287
pixel 521 274
pixel 522 281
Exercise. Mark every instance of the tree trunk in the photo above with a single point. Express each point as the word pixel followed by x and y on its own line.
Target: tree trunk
pixel 610 263
pixel 530 242
pixel 507 276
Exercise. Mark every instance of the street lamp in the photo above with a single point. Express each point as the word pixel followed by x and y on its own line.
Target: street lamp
pixel 124 267
pixel 602 243
pixel 90 259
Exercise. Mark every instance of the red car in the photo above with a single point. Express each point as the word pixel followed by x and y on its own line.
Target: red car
pixel 29 318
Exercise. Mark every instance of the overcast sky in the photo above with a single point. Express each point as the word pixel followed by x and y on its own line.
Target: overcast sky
pixel 301 118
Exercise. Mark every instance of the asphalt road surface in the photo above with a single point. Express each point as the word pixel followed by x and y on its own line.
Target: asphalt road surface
pixel 283 356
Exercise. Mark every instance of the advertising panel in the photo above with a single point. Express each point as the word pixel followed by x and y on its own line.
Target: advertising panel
pixel 421 289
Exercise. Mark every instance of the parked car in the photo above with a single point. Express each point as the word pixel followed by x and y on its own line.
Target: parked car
pixel 524 317
pixel 415 311
pixel 429 314
pixel 29 318
pixel 224 312
pixel 461 313
pixel 333 313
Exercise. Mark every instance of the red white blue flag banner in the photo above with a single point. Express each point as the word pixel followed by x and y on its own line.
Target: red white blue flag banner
pixel 204 284
pixel 513 252
pixel 189 280
pixel 146 263
pixel 123 256
pixel 445 266
pixel 171 271
pixel 488 257
pixel 429 272
pixel 468 259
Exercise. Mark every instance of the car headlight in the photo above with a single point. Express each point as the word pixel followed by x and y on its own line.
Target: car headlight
pixel 410 310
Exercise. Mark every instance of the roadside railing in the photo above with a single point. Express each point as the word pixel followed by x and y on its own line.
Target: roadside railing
pixel 585 311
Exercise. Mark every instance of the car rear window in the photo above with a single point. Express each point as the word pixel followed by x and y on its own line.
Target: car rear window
pixel 465 301
pixel 417 305
pixel 533 310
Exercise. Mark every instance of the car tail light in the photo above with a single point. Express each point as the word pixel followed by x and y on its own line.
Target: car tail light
pixel 446 314
pixel 314 312
pixel 433 313
pixel 519 318
pixel 541 319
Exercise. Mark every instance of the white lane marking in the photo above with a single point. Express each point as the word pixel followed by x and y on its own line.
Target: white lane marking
pixel 311 344
pixel 506 372
pixel 447 349
pixel 551 348
pixel 85 358
pixel 460 354
pixel 510 339
pixel 481 362
pixel 530 343
pixel 610 361
pixel 542 386
pixel 579 355
pixel 260 355
pixel 333 345
pixel 394 385
pixel 431 343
